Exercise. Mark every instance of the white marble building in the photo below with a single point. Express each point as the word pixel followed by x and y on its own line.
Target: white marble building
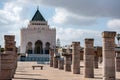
pixel 37 38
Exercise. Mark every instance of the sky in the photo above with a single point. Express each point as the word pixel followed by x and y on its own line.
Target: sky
pixel 74 20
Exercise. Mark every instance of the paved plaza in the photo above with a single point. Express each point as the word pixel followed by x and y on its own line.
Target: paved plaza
pixel 25 72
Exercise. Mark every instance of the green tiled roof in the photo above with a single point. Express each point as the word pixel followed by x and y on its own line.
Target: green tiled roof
pixel 38 16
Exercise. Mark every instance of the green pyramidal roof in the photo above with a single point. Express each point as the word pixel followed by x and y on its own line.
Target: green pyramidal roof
pixel 38 16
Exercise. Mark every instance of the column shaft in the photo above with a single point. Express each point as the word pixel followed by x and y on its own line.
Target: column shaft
pixel 108 55
pixel 67 63
pixel 89 58
pixel 76 57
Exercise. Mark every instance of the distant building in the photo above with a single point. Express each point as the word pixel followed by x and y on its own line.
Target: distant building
pixel 37 39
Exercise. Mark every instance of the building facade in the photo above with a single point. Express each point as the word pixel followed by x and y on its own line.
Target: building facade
pixel 37 39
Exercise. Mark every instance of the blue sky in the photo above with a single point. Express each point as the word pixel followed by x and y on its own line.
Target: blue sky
pixel 73 20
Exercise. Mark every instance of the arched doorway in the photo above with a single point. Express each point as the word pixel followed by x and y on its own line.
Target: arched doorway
pixel 47 47
pixel 38 47
pixel 29 48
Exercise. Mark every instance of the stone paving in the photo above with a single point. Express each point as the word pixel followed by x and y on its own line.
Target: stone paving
pixel 25 72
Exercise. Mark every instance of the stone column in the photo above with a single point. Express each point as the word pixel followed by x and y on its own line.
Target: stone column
pixel 89 58
pixel 33 50
pixel 8 59
pixel 108 55
pixel 55 62
pixel 61 63
pixel 96 58
pixel 67 61
pixel 99 53
pixel 51 57
pixel 76 57
pixel 96 62
pixel 118 61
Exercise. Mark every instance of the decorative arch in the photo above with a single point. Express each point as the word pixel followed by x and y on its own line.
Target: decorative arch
pixel 47 47
pixel 29 48
pixel 38 47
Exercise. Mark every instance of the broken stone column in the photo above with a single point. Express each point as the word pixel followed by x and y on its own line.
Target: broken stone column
pixel 118 61
pixel 61 63
pixel 55 60
pixel 8 59
pixel 51 57
pixel 89 58
pixel 99 53
pixel 108 40
pixel 10 48
pixel 67 60
pixel 76 57
pixel 55 63
pixel 96 59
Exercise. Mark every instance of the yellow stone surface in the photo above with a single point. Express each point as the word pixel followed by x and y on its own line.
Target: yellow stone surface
pixel 25 72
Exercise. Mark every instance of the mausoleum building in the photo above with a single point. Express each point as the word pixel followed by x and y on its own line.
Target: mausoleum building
pixel 37 39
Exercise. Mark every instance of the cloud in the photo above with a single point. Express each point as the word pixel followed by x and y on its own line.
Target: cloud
pixel 11 20
pixel 114 24
pixel 95 8
pixel 68 35
pixel 62 16
pixel 82 12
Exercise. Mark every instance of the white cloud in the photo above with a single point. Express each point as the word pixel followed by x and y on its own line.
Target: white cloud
pixel 62 16
pixel 114 24
pixel 68 35
pixel 99 8
pixel 11 20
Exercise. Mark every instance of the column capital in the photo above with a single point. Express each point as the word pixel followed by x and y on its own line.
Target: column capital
pixel 89 39
pixel 108 34
pixel 75 43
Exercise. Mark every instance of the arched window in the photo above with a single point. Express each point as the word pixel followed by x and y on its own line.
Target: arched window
pixel 38 47
pixel 29 48
pixel 47 47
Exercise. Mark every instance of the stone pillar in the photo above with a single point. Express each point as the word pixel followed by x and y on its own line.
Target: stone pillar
pixel 96 62
pixel 76 57
pixel 67 61
pixel 118 61
pixel 61 63
pixel 96 58
pixel 8 59
pixel 33 50
pixel 89 58
pixel 108 55
pixel 51 57
pixel 99 53
pixel 55 62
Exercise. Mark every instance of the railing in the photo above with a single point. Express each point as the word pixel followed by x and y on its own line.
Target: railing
pixel 36 57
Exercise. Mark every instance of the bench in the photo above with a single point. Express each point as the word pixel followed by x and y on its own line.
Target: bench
pixel 41 67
